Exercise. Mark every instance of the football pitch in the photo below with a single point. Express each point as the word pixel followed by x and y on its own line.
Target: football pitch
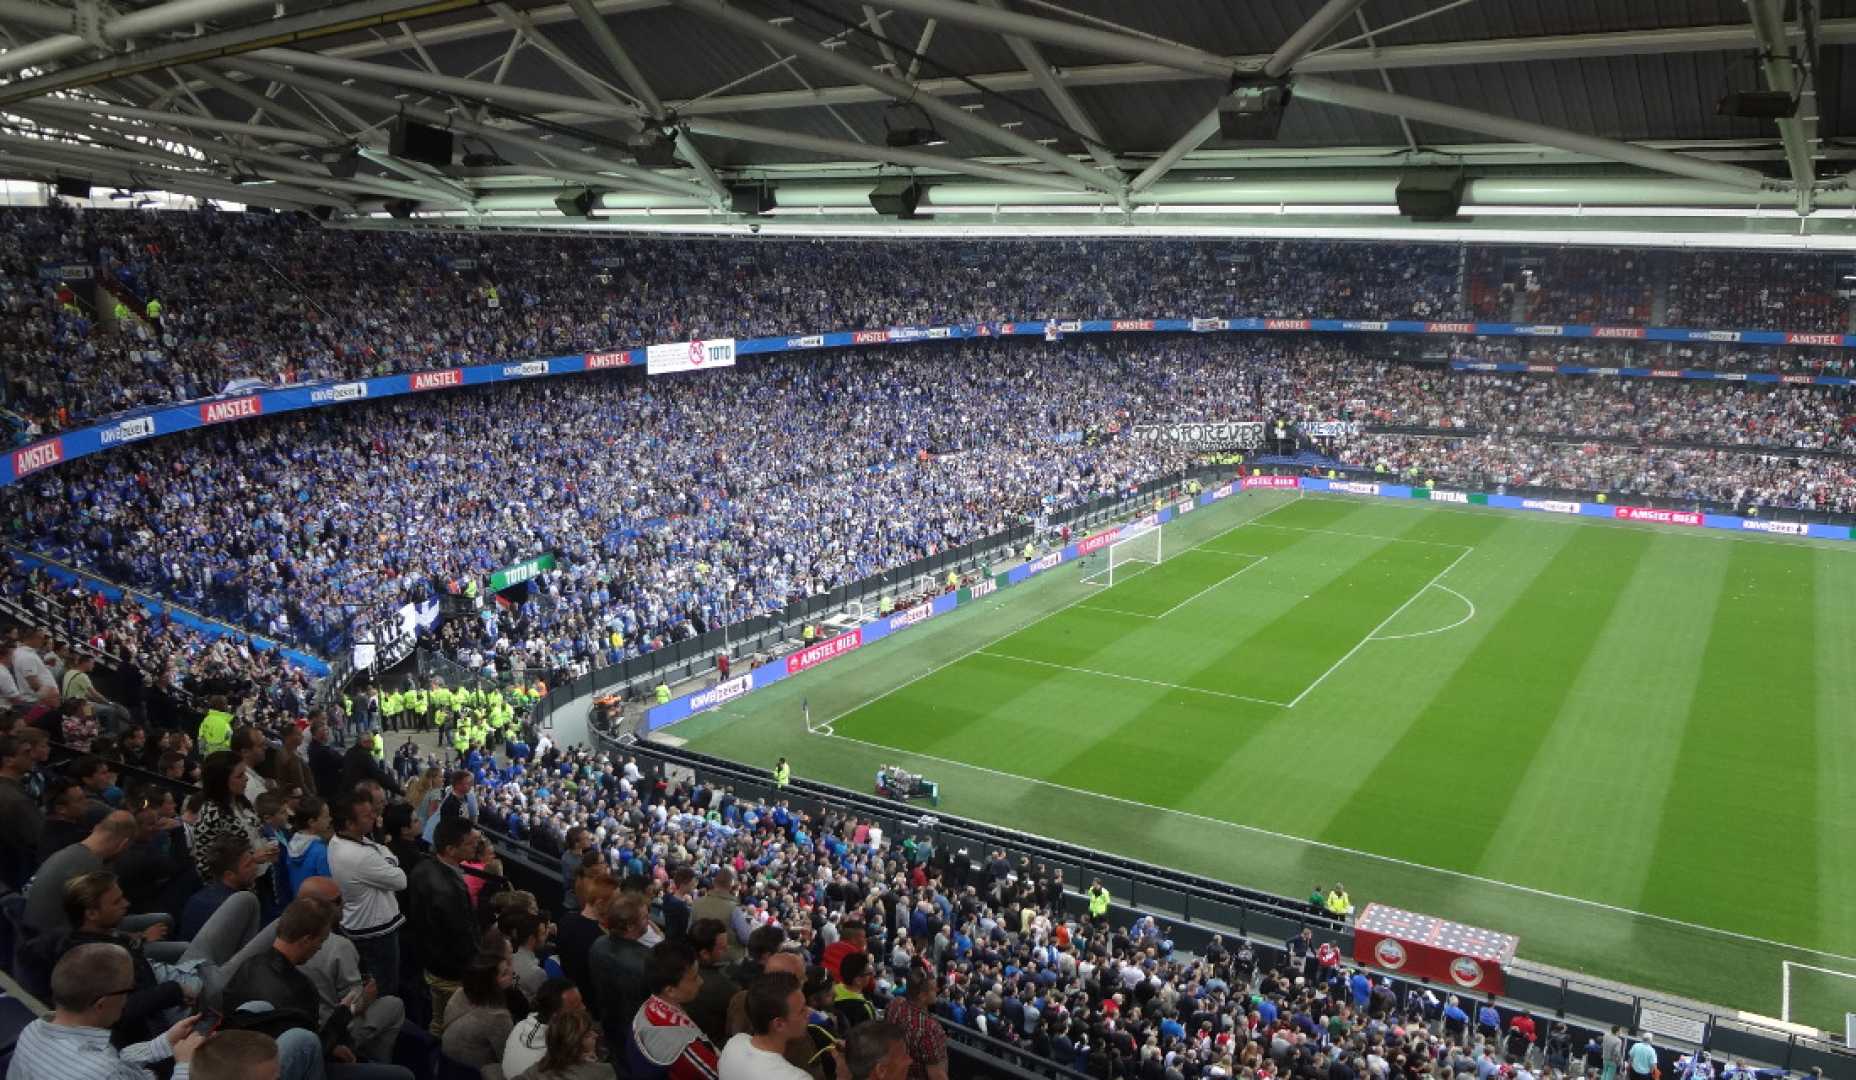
pixel 1633 746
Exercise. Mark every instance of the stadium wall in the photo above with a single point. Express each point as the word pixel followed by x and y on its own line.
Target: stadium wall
pixel 721 352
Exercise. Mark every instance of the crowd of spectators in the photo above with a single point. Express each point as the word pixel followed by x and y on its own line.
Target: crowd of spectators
pixel 320 901
pixel 277 298
pixel 700 934
pixel 1610 286
pixel 1656 355
pixel 173 666
pixel 675 506
pixel 1748 482
pixel 1778 290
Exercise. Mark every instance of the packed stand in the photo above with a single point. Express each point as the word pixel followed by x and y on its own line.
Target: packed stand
pixel 1578 285
pixel 674 505
pixel 1791 291
pixel 174 667
pixel 1655 355
pixel 671 513
pixel 1744 482
pixel 277 298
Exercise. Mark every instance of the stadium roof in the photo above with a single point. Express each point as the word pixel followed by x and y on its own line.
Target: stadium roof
pixel 1571 120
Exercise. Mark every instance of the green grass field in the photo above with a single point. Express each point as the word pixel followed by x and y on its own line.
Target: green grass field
pixel 1634 747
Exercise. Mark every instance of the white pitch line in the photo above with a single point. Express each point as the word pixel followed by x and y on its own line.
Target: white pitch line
pixel 1048 614
pixel 1382 625
pixel 1440 629
pixel 1130 678
pixel 1260 559
pixel 1366 536
pixel 1393 860
pixel 1116 611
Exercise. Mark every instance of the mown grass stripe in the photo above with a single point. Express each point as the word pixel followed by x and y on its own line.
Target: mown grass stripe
pixel 1739 833
pixel 1443 788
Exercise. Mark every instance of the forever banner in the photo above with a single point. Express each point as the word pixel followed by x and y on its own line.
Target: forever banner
pixel 1200 436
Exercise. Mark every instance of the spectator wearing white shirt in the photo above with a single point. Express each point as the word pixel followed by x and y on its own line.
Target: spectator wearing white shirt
pixel 528 1041
pixel 89 987
pixel 30 670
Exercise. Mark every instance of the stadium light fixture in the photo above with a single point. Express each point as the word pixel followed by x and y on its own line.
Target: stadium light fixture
pixel 901 132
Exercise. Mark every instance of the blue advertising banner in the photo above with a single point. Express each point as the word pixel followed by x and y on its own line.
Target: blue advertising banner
pixel 65 575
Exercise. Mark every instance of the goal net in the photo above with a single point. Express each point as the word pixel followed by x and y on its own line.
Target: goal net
pixel 1140 546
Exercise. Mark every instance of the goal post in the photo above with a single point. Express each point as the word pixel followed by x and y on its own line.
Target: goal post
pixel 1138 546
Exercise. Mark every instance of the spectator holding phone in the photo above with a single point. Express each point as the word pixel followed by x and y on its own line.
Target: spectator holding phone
pixel 89 986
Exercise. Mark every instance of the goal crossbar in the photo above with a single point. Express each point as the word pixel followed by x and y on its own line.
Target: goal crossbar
pixel 1137 546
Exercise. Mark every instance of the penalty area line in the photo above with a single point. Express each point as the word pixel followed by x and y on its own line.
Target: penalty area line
pixel 1387 621
pixel 1054 611
pixel 1441 629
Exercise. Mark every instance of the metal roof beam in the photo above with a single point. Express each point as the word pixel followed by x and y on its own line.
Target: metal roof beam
pixel 1389 57
pixel 513 96
pixel 1385 77
pixel 39 16
pixel 147 173
pixel 282 112
pixel 185 120
pixel 1070 35
pixel 1367 99
pixel 1194 138
pixel 1308 35
pixel 309 26
pixel 610 47
pixel 622 173
pixel 1059 96
pixel 727 129
pixel 153 20
pixel 1769 25
pixel 608 44
pixel 895 88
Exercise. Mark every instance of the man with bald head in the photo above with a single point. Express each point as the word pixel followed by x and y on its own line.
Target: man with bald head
pixel 45 898
pixel 335 970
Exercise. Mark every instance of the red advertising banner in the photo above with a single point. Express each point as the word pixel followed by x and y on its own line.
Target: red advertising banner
pixel 1271 482
pixel 218 412
pixel 829 649
pixel 38 456
pixel 599 360
pixel 1431 948
pixel 437 380
pixel 1661 517
pixel 1288 324
pixel 872 337
pixel 1097 542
